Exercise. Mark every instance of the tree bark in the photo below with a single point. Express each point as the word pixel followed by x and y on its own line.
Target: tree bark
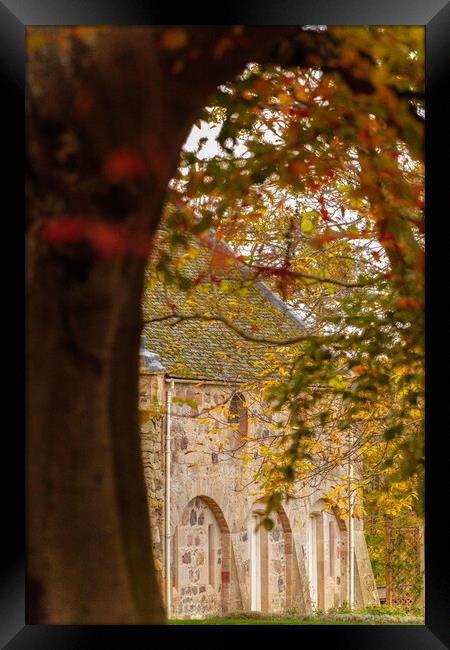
pixel 89 93
pixel 76 570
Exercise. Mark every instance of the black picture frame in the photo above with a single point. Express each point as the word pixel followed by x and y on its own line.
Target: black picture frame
pixel 16 15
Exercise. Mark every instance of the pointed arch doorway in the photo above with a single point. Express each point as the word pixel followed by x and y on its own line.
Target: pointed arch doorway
pixel 201 561
pixel 271 561
pixel 258 559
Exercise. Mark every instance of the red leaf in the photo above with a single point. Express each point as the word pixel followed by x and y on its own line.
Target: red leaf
pixel 320 240
pixel 194 54
pixel 174 38
pixel 83 102
pixel 412 303
pixel 108 240
pixel 363 137
pixel 300 112
pixel 124 164
pixel 65 230
pixel 198 279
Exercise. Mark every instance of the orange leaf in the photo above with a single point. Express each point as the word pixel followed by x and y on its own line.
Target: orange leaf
pixel 247 94
pixel 83 101
pixel 364 138
pixel 107 239
pixel 300 92
pixel 320 240
pixel 178 66
pixel 285 99
pixel 298 167
pixel 174 38
pixel 262 87
pixel 419 263
pixel 222 46
pixel 123 164
pixel 63 231
pixel 221 261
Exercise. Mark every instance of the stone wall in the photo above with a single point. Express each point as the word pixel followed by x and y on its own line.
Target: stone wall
pixel 211 559
pixel 197 563
pixel 277 575
pixel 152 411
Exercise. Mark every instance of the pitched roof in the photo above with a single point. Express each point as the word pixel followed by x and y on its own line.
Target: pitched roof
pixel 210 350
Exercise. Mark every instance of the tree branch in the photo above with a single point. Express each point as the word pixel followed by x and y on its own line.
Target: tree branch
pixel 178 318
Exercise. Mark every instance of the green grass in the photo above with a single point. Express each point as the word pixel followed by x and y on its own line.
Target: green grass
pixel 378 620
pixel 374 615
pixel 342 615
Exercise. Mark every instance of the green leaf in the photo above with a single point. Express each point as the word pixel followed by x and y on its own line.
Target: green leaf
pixel 307 225
pixel 224 285
pixel 267 523
pixel 392 432
pixel 204 223
pixel 288 472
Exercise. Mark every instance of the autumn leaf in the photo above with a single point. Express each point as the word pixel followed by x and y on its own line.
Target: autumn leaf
pixel 221 47
pixel 297 168
pixel 84 101
pixel 300 92
pixel 124 164
pixel 174 38
pixel 262 87
pixel 64 230
pixel 107 239
pixel 285 99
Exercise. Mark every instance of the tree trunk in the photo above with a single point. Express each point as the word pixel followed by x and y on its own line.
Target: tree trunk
pixel 125 437
pixel 78 567
pixel 89 93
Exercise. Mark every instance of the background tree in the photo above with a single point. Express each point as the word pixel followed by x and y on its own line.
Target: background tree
pixel 316 185
pixel 108 110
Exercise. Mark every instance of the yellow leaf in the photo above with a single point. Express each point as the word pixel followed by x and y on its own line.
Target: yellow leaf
pixel 178 66
pixel 222 46
pixel 300 92
pixel 285 99
pixel 174 38
pixel 35 40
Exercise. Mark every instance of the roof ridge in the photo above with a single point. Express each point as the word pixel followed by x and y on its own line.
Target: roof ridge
pixel 265 290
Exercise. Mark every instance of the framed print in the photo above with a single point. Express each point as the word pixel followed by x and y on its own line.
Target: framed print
pixel 274 469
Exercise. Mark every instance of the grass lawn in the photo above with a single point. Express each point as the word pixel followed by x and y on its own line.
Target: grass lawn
pixel 244 621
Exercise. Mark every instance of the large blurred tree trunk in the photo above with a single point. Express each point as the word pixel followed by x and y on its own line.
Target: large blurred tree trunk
pixel 107 113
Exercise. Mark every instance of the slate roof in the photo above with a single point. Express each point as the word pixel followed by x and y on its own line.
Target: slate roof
pixel 211 350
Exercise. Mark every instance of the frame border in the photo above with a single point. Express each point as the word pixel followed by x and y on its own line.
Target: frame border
pixel 16 15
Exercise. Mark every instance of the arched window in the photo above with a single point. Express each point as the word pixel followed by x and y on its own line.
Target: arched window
pixel 325 567
pixel 270 561
pixel 314 519
pixel 200 561
pixel 238 415
pixel 259 561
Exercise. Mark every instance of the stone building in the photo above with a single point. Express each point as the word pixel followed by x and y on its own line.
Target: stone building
pixel 204 505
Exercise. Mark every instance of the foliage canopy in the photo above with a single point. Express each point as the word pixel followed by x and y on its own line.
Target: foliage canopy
pixel 316 186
